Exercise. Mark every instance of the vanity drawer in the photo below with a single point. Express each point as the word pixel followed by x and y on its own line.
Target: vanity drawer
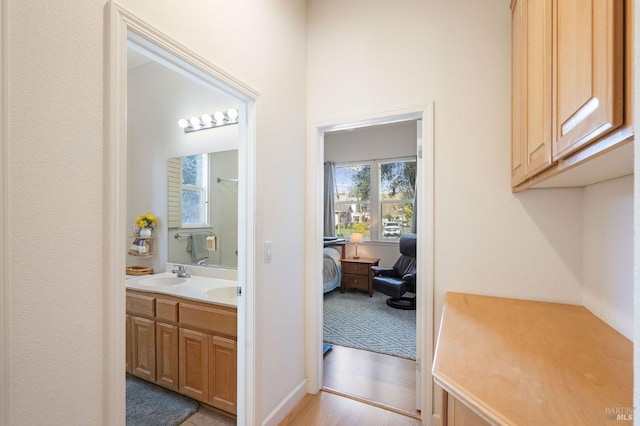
pixel 166 310
pixel 214 320
pixel 140 305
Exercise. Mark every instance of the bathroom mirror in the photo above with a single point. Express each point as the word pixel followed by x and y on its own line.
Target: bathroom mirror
pixel 202 209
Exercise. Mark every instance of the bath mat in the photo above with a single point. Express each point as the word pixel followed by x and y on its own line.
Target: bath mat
pixel 152 405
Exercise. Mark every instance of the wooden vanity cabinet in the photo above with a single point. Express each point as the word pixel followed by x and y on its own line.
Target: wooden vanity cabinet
pixel 141 344
pixel 572 84
pixel 223 355
pixel 194 366
pixel 128 345
pixel 186 346
pixel 208 354
pixel 167 355
pixel 167 343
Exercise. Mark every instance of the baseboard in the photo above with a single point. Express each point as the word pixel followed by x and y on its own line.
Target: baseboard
pixel 286 405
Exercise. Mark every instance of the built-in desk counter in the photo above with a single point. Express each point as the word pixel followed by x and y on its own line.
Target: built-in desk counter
pixel 515 362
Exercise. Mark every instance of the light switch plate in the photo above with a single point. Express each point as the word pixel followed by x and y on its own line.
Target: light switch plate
pixel 267 251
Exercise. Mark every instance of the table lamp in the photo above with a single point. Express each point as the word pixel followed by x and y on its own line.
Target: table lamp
pixel 356 237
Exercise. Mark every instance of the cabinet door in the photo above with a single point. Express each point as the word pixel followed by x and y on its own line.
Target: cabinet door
pixel 167 355
pixel 128 344
pixel 194 365
pixel 222 373
pixel 588 71
pixel 518 91
pixel 537 148
pixel 143 348
pixel 459 414
pixel 531 132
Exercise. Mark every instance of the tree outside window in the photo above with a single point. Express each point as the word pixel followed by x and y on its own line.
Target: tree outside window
pixel 353 188
pixel 397 192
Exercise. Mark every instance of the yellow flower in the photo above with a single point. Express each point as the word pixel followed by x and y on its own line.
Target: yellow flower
pixel 146 220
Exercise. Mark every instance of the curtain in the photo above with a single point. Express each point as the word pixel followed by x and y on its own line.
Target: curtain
pixel 329 199
pixel 414 219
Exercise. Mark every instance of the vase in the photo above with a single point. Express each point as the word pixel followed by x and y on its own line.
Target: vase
pixel 145 233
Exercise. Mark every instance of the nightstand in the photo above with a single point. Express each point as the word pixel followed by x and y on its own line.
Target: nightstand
pixel 356 273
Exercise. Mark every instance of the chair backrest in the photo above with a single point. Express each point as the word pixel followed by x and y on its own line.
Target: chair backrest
pixel 406 263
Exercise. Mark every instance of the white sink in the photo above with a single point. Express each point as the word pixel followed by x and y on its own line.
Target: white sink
pixel 223 293
pixel 161 281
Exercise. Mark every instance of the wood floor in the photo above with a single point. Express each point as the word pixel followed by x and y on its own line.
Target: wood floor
pixel 361 388
pixel 387 381
pixel 326 409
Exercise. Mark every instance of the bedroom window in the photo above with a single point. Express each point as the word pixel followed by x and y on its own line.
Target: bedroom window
pixel 195 172
pixel 375 197
pixel 397 181
pixel 353 206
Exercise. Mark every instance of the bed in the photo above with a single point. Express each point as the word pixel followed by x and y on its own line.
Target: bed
pixel 331 268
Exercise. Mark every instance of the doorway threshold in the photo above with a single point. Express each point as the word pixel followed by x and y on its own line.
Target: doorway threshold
pixel 376 379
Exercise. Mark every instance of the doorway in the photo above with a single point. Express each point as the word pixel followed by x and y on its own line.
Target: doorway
pixel 124 27
pixel 373 346
pixel 424 195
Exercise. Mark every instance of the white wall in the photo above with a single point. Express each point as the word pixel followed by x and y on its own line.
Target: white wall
pixel 368 58
pixel 56 96
pixel 608 252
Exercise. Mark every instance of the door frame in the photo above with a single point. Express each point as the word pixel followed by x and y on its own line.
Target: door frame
pixel 5 305
pixel 120 23
pixel 425 225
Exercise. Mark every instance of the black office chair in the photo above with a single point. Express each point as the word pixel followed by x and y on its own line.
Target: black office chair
pixel 401 278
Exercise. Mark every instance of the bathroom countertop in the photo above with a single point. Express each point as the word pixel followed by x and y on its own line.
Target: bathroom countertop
pixel 203 289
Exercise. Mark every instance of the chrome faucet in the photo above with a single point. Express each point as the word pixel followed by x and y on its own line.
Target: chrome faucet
pixel 181 271
pixel 202 262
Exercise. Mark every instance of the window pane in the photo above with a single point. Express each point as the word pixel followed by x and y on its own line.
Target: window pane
pixel 396 219
pixel 193 170
pixel 353 183
pixel 397 180
pixel 192 211
pixel 353 218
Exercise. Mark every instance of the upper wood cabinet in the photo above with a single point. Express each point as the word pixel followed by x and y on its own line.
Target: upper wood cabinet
pixel 588 72
pixel 531 88
pixel 571 84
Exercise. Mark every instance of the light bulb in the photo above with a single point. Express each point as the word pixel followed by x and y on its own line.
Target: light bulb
pixel 219 117
pixel 207 119
pixel 183 123
pixel 195 122
pixel 232 113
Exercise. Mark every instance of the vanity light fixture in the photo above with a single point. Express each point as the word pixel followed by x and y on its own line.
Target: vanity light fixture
pixel 208 121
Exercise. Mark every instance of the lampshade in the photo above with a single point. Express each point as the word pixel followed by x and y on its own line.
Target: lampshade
pixel 356 237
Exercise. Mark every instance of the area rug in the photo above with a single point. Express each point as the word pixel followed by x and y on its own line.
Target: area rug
pixel 151 405
pixel 355 320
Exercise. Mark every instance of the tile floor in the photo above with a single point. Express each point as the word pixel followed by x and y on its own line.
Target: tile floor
pixel 207 417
